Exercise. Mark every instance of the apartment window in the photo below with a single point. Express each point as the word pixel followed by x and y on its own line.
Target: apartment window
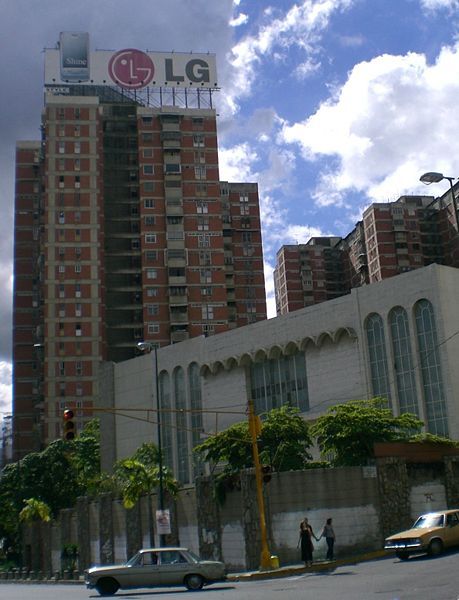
pixel 205 276
pixel 76 164
pixel 78 390
pixel 61 147
pixel 77 112
pixel 207 312
pixel 77 290
pixel 151 255
pixel 152 309
pixel 202 207
pixel 61 269
pixel 79 368
pixel 61 312
pixel 147 152
pixel 203 224
pixel 78 310
pixel 206 291
pixel 200 172
pixel 78 329
pixel 147 120
pixel 135 244
pixel 198 140
pixel 78 267
pixel 147 137
pixel 61 113
pixel 61 199
pixel 152 273
pixel 77 147
pixel 201 189
pixel 204 241
pixel 148 169
pixel 61 217
pixel 148 186
pixel 244 205
pixel 150 238
pixel 150 220
pixel 197 121
pixel 199 157
pixel 77 216
pixel 205 258
pixel 152 292
pixel 61 289
pixel 61 130
pixel 149 203
pixel 153 328
pixel 77 181
pixel 76 131
pixel 61 181
pixel 62 368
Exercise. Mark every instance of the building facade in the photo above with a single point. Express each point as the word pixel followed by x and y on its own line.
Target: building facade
pixel 392 238
pixel 397 338
pixel 123 233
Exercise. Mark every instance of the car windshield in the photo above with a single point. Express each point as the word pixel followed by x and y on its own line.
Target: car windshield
pixel 133 560
pixel 429 521
pixel 194 557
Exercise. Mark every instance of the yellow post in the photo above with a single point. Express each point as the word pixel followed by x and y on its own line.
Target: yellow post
pixel 255 429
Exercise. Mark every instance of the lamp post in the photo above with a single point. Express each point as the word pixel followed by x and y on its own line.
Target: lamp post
pixel 434 177
pixel 147 347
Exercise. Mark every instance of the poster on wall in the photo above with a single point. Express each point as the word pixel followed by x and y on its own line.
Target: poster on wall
pixel 73 63
pixel 163 522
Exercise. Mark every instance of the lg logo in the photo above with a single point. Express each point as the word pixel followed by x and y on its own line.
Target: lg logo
pixel 133 69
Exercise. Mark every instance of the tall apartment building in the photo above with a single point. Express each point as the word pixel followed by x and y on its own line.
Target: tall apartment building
pixel 123 232
pixel 392 238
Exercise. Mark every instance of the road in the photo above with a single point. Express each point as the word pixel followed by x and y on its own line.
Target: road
pixel 420 578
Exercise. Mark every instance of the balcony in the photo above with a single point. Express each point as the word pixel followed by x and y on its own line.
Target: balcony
pixel 179 336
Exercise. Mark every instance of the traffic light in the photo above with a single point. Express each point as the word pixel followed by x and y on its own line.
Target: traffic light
pixel 266 470
pixel 69 425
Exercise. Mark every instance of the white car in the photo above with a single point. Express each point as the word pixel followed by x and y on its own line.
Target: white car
pixel 156 567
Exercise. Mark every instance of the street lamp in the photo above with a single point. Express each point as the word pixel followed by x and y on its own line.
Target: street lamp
pixel 147 347
pixel 434 177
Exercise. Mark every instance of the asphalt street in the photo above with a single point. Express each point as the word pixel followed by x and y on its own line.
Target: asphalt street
pixel 420 578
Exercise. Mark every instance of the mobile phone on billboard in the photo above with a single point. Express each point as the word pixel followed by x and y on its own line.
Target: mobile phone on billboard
pixel 74 56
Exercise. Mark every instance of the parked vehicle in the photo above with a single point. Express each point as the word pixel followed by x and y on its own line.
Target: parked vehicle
pixel 156 567
pixel 431 533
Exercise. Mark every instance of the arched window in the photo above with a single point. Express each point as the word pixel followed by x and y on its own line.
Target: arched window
pixel 403 361
pixel 194 385
pixel 429 359
pixel 166 419
pixel 280 381
pixel 181 421
pixel 378 359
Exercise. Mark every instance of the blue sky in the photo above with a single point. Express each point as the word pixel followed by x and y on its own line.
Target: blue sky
pixel 328 104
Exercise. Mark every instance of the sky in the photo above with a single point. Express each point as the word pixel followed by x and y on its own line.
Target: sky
pixel 329 105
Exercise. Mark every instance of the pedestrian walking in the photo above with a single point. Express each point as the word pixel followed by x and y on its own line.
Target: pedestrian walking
pixel 329 534
pixel 305 541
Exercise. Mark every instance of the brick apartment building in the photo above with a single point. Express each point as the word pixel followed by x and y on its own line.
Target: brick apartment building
pixel 392 238
pixel 123 233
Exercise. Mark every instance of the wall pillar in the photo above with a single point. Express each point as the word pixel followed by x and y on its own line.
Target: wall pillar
pixel 452 480
pixel 394 494
pixel 83 537
pixel 208 513
pixel 134 539
pixel 106 541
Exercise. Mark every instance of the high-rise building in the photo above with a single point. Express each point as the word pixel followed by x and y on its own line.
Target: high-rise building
pixel 392 238
pixel 123 231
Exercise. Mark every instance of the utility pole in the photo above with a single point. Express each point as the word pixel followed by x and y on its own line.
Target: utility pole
pixel 255 430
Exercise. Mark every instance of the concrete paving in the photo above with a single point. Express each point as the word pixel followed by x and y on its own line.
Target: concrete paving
pixel 300 569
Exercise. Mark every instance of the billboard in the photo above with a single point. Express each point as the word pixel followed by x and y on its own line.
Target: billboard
pixel 73 63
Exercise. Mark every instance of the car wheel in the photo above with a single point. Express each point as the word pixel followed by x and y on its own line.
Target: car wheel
pixel 435 547
pixel 194 582
pixel 402 555
pixel 107 586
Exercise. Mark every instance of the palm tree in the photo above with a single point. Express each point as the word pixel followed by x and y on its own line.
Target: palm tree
pixel 139 476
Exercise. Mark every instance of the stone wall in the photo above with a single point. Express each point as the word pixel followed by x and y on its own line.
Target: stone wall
pixel 366 504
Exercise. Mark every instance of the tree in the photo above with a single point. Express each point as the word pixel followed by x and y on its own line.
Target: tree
pixel 348 431
pixel 35 510
pixel 139 475
pixel 283 445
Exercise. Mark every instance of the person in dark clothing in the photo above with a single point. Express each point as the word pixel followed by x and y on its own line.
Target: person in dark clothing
pixel 305 542
pixel 329 534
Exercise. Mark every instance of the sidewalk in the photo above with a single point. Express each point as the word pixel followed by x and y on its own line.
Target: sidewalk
pixel 300 569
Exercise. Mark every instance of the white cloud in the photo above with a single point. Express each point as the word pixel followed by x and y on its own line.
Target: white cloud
pixel 389 123
pixel 301 26
pixel 235 163
pixel 440 4
pixel 6 372
pixel 307 68
pixel 241 19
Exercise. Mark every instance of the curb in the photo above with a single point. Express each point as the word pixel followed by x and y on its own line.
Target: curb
pixel 301 569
